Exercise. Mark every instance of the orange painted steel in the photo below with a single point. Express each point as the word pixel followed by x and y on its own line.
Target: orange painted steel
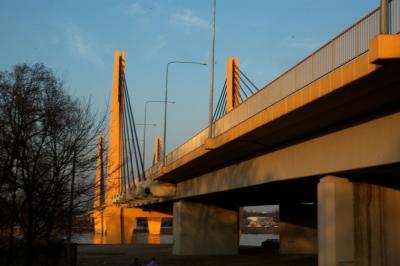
pixel 384 48
pixel 113 185
pixel 232 83
pixel 157 149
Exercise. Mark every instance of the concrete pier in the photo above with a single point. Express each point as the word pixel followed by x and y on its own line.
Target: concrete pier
pixel 204 229
pixel 335 222
pixel 298 229
pixel 358 223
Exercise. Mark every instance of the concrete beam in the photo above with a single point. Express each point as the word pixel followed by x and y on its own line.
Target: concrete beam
pixel 373 143
pixel 384 48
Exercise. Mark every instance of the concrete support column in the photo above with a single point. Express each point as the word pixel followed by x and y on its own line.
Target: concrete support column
pixel 335 222
pixel 128 224
pixel 298 229
pixel 120 225
pixel 112 219
pixel 154 225
pixel 377 225
pixel 204 229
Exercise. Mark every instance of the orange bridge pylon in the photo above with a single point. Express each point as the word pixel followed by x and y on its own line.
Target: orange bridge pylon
pixel 114 222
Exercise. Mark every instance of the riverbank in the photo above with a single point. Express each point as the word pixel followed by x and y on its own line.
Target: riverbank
pixel 124 254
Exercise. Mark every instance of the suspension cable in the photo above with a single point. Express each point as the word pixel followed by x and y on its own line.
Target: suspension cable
pixel 131 126
pixel 128 152
pixel 240 71
pixel 135 133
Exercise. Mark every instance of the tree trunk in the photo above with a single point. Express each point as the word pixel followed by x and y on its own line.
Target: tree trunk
pixel 10 243
pixel 71 205
pixel 29 232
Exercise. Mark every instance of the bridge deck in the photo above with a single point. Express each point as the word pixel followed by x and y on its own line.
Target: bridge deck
pixel 333 74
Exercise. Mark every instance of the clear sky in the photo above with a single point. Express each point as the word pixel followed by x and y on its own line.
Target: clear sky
pixel 77 39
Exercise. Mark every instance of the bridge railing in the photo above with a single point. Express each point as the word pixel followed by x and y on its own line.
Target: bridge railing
pixel 154 169
pixel 341 50
pixel 190 145
pixel 344 48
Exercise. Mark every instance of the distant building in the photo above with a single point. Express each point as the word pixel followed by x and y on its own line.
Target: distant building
pixel 256 221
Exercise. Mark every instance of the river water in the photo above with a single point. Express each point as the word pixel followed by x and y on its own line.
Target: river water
pixel 145 238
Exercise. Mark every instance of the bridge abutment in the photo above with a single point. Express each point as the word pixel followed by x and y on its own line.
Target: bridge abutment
pixel 298 229
pixel 205 229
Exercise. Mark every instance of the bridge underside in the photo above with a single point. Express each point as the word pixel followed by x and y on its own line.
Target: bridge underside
pixel 301 190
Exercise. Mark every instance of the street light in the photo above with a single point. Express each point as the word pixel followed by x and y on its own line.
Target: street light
pixel 210 113
pixel 166 99
pixel 145 125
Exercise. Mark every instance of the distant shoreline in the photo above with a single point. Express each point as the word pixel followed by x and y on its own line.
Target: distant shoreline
pixel 260 230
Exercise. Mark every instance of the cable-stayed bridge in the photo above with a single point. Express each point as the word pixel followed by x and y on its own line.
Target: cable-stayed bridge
pixel 322 141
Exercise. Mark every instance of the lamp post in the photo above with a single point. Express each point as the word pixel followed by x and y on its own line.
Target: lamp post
pixel 166 100
pixel 145 125
pixel 210 113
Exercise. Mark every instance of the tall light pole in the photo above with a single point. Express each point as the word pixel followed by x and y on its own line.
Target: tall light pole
pixel 145 125
pixel 210 113
pixel 166 101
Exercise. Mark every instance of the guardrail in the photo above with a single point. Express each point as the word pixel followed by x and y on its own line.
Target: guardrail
pixel 341 50
pixel 190 145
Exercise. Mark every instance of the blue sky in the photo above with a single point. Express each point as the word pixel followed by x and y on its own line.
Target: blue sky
pixel 77 39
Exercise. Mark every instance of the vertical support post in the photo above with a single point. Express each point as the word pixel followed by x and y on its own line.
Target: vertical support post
pixel 113 185
pixel 384 20
pixel 210 114
pixel 232 83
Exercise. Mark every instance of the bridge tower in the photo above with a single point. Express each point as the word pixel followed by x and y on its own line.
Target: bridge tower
pixel 111 219
pixel 232 83
pixel 157 149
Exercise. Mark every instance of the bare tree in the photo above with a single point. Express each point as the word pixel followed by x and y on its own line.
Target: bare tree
pixel 47 140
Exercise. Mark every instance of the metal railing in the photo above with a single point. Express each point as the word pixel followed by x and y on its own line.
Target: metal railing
pixel 344 48
pixel 341 50
pixel 188 146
